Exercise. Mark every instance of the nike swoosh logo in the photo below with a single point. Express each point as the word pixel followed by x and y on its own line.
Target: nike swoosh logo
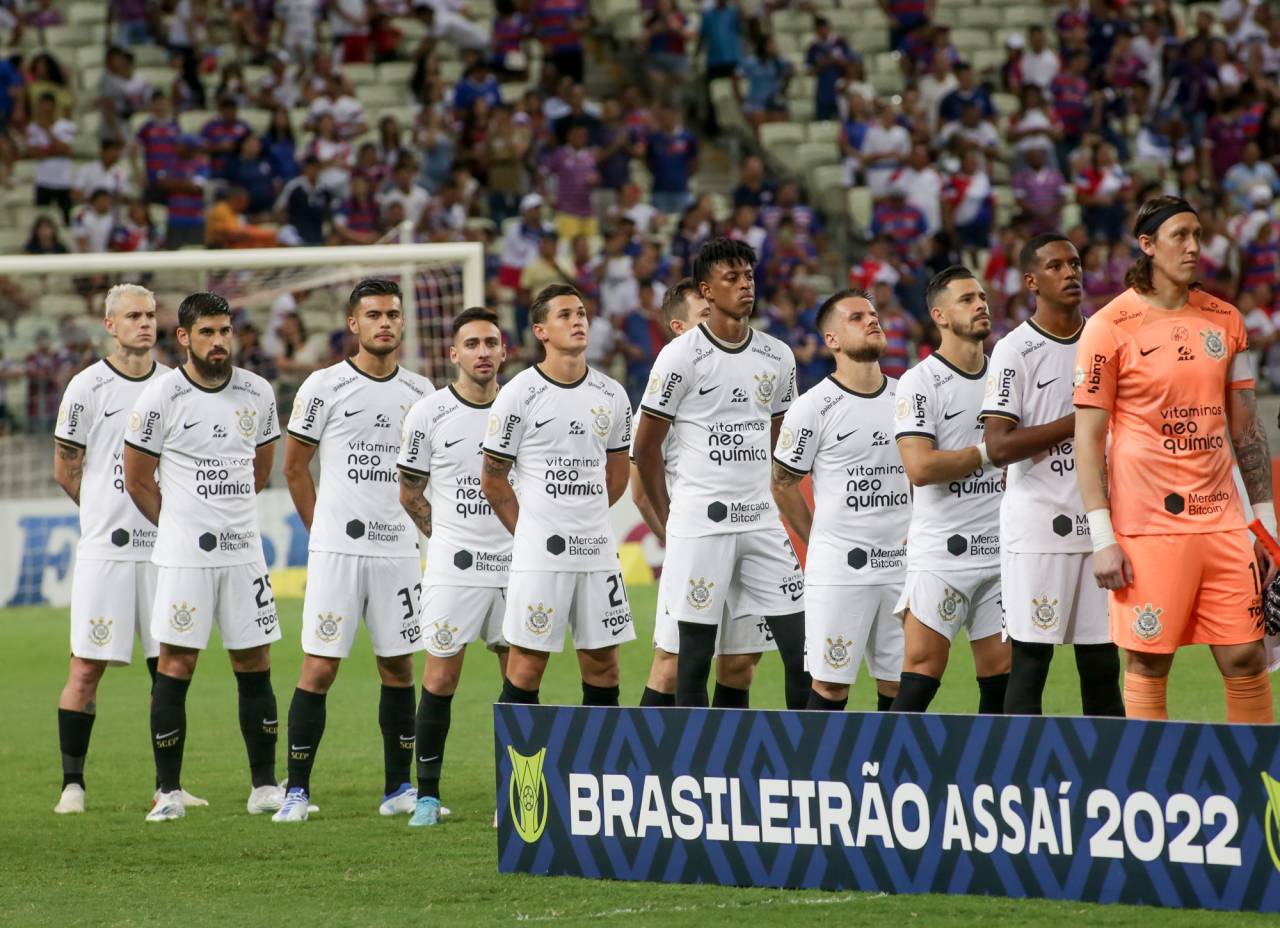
pixel 615 632
pixel 1149 350
pixel 1041 386
pixel 840 437
pixel 427 760
pixel 269 721
pixel 296 747
pixel 169 734
pixel 703 391
pixel 189 425
pixel 538 425
pixel 108 415
pixel 450 444
pixel 796 596
pixel 949 416
pixel 348 415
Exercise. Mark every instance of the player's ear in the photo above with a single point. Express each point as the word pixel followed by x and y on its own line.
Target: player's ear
pixel 1148 245
pixel 1029 281
pixel 938 318
pixel 453 355
pixel 829 338
pixel 351 323
pixel 183 336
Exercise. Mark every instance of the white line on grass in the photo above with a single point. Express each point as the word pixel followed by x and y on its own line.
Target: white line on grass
pixel 652 910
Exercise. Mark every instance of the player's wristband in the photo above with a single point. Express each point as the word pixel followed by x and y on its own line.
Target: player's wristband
pixel 982 453
pixel 1100 529
pixel 1266 514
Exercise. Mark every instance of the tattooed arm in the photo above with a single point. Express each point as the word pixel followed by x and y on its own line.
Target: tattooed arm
pixel 495 483
pixel 413 497
pixel 791 502
pixel 68 468
pixel 1249 438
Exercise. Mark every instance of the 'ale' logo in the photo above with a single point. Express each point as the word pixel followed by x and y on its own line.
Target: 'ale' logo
pixel 527 795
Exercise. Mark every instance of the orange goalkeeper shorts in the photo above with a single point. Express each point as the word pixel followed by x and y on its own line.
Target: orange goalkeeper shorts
pixel 1188 589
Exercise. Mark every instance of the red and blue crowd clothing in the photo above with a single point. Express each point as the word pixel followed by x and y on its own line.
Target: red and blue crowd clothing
pixel 186 210
pixel 1258 264
pixel 159 141
pixel 509 32
pixel 671 158
pixel 1070 103
pixel 359 214
pixel 220 131
pixel 904 224
pixel 575 172
pixel 553 23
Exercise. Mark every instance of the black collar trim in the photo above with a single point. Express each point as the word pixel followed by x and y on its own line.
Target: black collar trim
pixel 466 402
pixel 391 376
pixel 202 389
pixel 965 374
pixel 884 382
pixel 1069 340
pixel 559 383
pixel 727 349
pixel 123 376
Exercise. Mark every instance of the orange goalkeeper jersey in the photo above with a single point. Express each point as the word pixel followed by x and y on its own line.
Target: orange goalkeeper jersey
pixel 1164 376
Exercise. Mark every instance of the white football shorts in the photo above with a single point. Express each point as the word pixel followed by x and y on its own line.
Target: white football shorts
pixel 743 634
pixel 111 602
pixel 454 616
pixel 1053 599
pixel 541 604
pixel 947 601
pixel 344 588
pixel 842 624
pixel 237 598
pixel 753 573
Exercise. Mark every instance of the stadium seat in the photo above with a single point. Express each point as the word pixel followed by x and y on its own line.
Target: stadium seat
pixel 985 58
pixel 1024 16
pixel 1006 104
pixel 826 185
pixel 395 72
pixel 967 41
pixel 801 87
pixel 780 139
pixel 792 21
pixel 983 17
pixel 87 12
pixel 827 131
pixel 53 306
pixel 193 121
pixel 360 74
pixel 859 200
pixel 801 109
pixel 376 96
pixel 809 155
pixel 258 119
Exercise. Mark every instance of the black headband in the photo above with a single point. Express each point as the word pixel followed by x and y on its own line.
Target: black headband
pixel 1149 225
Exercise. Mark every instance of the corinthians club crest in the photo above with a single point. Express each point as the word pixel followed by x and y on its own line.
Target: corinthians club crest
pixel 330 627
pixel 1044 612
pixel 100 631
pixel 247 421
pixel 1147 624
pixel 538 620
pixel 949 606
pixel 601 419
pixel 700 593
pixel 181 616
pixel 442 637
pixel 766 384
pixel 1214 346
pixel 837 653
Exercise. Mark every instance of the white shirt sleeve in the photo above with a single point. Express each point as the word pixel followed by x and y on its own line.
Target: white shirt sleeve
pixel 75 415
pixel 311 409
pixel 146 429
pixel 668 382
pixel 415 443
pixel 1005 383
pixel 798 440
pixel 506 426
pixel 915 410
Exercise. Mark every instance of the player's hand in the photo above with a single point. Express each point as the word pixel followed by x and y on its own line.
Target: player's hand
pixel 1266 567
pixel 1111 568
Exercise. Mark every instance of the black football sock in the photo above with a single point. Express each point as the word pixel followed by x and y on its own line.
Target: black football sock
pixel 1027 676
pixel 396 719
pixel 693 663
pixel 258 724
pixel 168 729
pixel 818 701
pixel 153 667
pixel 74 729
pixel 653 698
pixel 512 693
pixel 306 728
pixel 600 695
pixel 730 697
pixel 430 731
pixel 1099 668
pixel 883 703
pixel 915 692
pixel 991 694
pixel 788 634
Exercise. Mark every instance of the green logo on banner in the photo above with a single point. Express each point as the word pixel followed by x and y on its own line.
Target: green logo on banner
pixel 1272 823
pixel 527 795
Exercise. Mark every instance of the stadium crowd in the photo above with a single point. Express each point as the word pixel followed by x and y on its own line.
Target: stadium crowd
pixel 601 146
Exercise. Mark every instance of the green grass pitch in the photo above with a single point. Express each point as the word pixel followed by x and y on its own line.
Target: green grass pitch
pixel 347 866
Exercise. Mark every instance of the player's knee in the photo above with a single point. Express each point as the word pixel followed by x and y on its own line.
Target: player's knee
pixel 395 671
pixel 83 676
pixel 441 675
pixel 736 670
pixel 991 656
pixel 887 688
pixel 1241 660
pixel 832 691
pixel 662 673
pixel 1148 665
pixel 319 673
pixel 179 663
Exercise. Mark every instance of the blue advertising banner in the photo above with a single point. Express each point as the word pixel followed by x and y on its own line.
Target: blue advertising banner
pixel 1101 810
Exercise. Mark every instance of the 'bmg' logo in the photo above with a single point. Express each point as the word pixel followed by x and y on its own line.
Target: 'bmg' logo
pixel 527 795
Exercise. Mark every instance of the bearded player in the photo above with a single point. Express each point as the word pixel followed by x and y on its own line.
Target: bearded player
pixel 1163 370
pixel 839 431
pixel 464 589
pixel 742 639
pixel 1046 571
pixel 362 553
pixel 953 546
pixel 209 430
pixel 722 389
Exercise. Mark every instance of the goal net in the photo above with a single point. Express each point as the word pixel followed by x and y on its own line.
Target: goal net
pixel 295 298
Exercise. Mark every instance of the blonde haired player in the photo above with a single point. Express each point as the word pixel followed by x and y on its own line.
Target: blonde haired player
pixel 1164 371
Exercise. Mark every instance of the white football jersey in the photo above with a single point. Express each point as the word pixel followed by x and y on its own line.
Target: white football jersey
pixel 670 451
pixel 861 496
pixel 356 420
pixel 559 436
pixel 206 441
pixel 721 403
pixel 444 441
pixel 954 525
pixel 1030 382
pixel 95 409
